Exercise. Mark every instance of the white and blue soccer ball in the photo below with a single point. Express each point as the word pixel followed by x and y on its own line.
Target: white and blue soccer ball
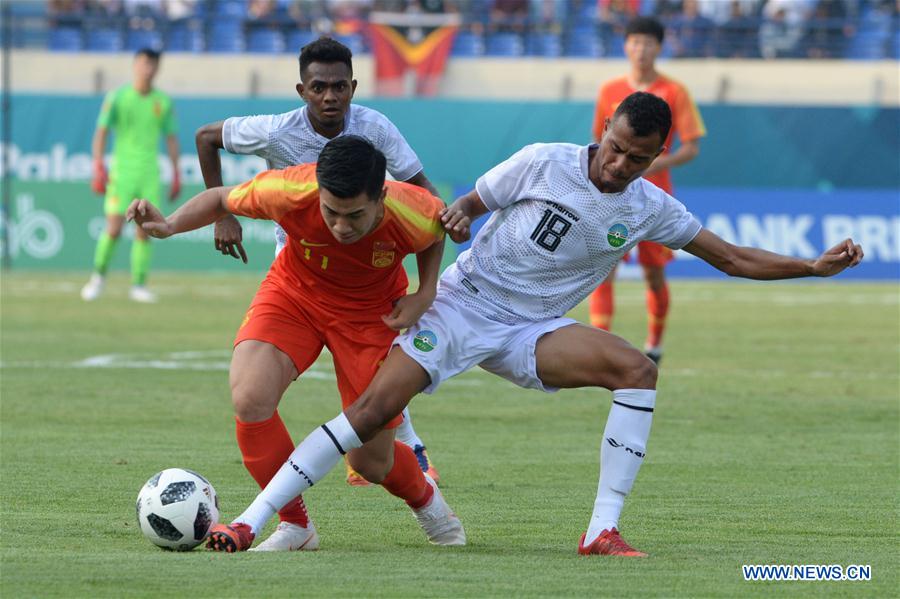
pixel 176 508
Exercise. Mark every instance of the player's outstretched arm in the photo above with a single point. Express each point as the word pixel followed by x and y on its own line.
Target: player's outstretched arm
pixel 203 209
pixel 753 263
pixel 408 309
pixel 228 235
pixel 457 217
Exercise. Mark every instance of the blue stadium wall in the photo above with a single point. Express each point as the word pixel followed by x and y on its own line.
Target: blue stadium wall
pixel 789 179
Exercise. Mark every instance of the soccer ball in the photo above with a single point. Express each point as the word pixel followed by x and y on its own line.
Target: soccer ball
pixel 176 508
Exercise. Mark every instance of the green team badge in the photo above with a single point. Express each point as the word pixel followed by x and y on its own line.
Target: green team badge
pixel 425 341
pixel 617 235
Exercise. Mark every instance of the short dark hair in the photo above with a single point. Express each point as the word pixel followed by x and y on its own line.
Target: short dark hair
pixel 149 53
pixel 646 26
pixel 326 50
pixel 647 114
pixel 349 165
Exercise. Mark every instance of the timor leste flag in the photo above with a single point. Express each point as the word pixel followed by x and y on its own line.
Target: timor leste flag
pixel 394 55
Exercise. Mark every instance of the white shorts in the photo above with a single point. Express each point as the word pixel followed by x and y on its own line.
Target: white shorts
pixel 451 338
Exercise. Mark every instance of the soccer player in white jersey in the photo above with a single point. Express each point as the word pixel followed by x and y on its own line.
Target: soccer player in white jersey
pixel 297 137
pixel 563 216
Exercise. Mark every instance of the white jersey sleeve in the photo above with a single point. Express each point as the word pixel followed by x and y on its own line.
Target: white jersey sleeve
pixel 402 162
pixel 247 134
pixel 508 182
pixel 674 227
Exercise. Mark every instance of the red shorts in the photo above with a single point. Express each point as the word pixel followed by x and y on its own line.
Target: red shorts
pixel 651 253
pixel 300 329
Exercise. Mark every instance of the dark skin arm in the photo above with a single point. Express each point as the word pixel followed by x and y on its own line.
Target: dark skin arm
pixel 228 233
pixel 753 263
pixel 422 181
pixel 458 216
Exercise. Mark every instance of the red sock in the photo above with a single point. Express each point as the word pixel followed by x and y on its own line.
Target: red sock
pixel 405 480
pixel 265 446
pixel 657 309
pixel 601 305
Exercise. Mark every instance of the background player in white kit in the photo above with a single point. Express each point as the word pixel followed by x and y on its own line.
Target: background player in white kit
pixel 298 137
pixel 563 217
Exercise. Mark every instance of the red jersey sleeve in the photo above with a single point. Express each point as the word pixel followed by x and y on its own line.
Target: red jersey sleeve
pixel 272 194
pixel 608 99
pixel 686 119
pixel 417 212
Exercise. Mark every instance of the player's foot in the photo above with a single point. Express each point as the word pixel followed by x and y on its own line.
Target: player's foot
pixel 93 288
pixel 139 293
pixel 291 537
pixel 654 353
pixel 425 463
pixel 610 542
pixel 438 521
pixel 355 479
pixel 230 538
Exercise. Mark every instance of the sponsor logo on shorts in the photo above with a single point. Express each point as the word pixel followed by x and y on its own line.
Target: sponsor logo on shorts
pixel 246 319
pixel 425 341
pixel 617 235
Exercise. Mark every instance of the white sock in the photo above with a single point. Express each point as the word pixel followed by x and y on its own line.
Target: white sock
pixel 405 433
pixel 316 455
pixel 621 455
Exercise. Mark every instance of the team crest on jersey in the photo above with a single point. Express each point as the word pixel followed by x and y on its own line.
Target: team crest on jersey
pixel 157 109
pixel 425 341
pixel 383 254
pixel 617 235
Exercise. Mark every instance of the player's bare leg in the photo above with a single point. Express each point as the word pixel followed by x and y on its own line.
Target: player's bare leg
pixel 140 264
pixel 582 356
pixel 102 257
pixel 260 373
pixel 657 309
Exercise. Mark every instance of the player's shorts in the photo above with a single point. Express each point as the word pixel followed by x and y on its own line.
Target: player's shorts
pixel 122 189
pixel 451 338
pixel 651 253
pixel 300 329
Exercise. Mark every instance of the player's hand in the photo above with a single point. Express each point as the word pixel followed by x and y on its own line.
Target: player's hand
pixel 456 223
pixel 175 190
pixel 407 310
pixel 846 254
pixel 228 237
pixel 148 218
pixel 100 178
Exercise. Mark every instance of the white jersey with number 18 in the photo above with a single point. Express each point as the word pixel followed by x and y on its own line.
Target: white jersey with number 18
pixel 553 236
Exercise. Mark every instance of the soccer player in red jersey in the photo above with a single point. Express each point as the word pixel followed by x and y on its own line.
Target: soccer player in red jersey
pixel 643 43
pixel 340 284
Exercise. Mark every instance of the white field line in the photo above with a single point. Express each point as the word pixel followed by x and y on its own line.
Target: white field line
pixel 205 361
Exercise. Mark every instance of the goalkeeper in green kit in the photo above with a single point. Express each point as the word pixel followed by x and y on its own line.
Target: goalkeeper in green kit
pixel 139 115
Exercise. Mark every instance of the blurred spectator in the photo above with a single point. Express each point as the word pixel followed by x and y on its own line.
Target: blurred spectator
pixel 509 15
pixel 829 28
pixel 547 15
pixel 64 13
pixel 262 10
pixel 737 36
pixel 693 33
pixel 104 13
pixel 723 11
pixel 178 10
pixel 310 14
pixel 348 16
pixel 144 14
pixel 783 28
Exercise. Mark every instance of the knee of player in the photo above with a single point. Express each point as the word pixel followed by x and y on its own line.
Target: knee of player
pixel 636 371
pixel 369 414
pixel 250 406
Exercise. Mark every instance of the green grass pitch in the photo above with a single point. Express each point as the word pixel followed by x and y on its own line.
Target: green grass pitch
pixel 775 441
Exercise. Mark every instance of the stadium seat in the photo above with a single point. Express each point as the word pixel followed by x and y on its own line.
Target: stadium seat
pixel 895 45
pixel 548 45
pixel 66 39
pixel 104 40
pixel 584 44
pixel 354 41
pixel 866 45
pixel 225 36
pixel 504 44
pixel 467 43
pixel 231 8
pixel 297 38
pixel 265 41
pixel 185 37
pixel 136 39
